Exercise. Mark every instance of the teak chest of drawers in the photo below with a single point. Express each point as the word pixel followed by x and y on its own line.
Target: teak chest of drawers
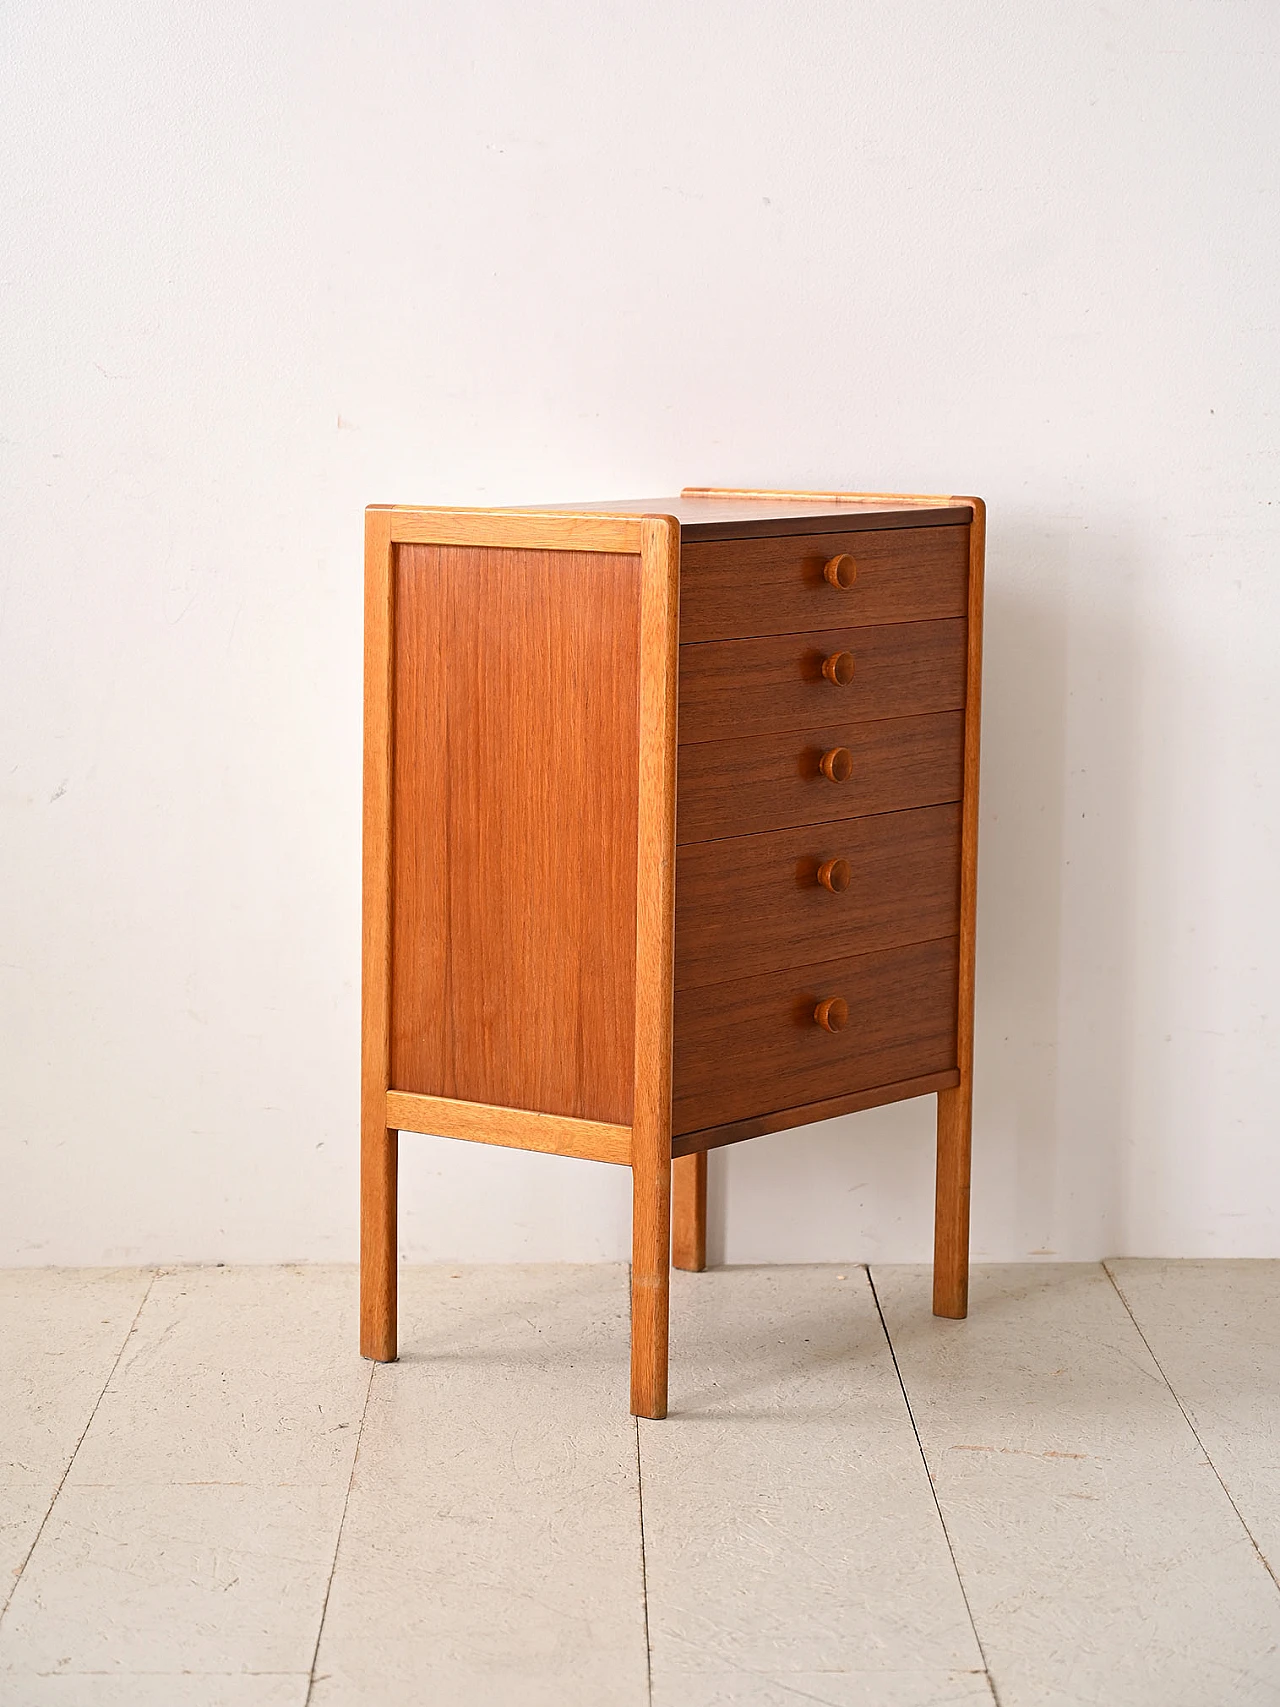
pixel 669 841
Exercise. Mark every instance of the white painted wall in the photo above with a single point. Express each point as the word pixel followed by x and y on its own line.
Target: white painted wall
pixel 266 264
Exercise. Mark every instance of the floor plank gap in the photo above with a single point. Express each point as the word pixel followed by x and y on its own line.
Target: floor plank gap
pixel 337 1544
pixel 1190 1421
pixel 62 1480
pixel 906 1399
pixel 644 1569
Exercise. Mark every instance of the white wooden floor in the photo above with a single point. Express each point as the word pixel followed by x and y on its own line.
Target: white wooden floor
pixel 1073 1497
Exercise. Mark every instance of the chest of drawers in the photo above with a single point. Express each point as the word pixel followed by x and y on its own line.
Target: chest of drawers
pixel 669 842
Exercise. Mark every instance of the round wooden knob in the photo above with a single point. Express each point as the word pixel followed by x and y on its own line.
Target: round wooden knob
pixel 837 764
pixel 841 571
pixel 833 1014
pixel 838 668
pixel 834 874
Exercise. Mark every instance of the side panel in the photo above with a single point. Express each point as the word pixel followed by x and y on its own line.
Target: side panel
pixel 514 827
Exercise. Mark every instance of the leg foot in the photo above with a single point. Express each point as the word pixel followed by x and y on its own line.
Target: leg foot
pixel 951 1213
pixel 379 1151
pixel 650 1286
pixel 689 1212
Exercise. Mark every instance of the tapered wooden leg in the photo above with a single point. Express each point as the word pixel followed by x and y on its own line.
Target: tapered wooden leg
pixel 650 1284
pixel 951 1211
pixel 379 1154
pixel 689 1211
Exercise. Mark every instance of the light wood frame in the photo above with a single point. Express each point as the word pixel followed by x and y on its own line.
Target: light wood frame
pixel 645 1145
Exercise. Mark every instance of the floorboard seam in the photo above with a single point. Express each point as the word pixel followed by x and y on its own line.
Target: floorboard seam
pixel 337 1541
pixel 644 1572
pixel 946 1533
pixel 62 1480
pixel 1119 1292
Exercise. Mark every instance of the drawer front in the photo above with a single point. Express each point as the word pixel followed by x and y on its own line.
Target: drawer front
pixel 735 588
pixel 754 901
pixel 753 1046
pixel 796 681
pixel 770 782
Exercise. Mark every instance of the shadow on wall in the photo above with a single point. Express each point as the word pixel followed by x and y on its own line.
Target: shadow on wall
pixel 1053 1091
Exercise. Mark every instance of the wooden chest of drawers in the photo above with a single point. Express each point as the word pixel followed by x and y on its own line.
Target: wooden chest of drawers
pixel 670 840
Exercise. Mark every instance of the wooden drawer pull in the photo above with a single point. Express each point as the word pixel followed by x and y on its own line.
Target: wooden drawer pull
pixel 837 764
pixel 834 874
pixel 838 668
pixel 833 1014
pixel 841 571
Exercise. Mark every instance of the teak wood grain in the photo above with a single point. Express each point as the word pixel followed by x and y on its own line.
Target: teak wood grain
pixel 522 530
pixel 755 901
pixel 689 1212
pixel 379 1145
pixel 784 1119
pixel 768 500
pixel 521 880
pixel 738 589
pixel 654 927
pixel 514 825
pixel 745 1046
pixel 955 1107
pixel 736 517
pixel 734 688
pixel 768 782
pixel 516 1128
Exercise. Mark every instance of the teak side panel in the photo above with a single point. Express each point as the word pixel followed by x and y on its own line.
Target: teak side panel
pixel 753 901
pixel 514 827
pixel 768 782
pixel 744 1048
pixel 733 688
pixel 737 589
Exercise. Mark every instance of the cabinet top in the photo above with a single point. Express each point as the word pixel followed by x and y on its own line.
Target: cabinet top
pixel 707 514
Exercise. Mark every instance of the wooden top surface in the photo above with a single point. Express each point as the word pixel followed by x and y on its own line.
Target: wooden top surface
pixel 742 517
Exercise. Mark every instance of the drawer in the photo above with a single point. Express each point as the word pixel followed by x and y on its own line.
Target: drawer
pixel 753 1046
pixel 748 687
pixel 733 589
pixel 770 782
pixel 754 901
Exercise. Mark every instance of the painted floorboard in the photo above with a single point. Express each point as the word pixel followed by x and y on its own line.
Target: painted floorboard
pixel 793 1547
pixel 1102 1561
pixel 491 1555
pixel 1215 1330
pixel 196 1528
pixel 61 1331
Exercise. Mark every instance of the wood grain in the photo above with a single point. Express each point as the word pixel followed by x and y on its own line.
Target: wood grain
pixel 744 1048
pixel 766 782
pixel 955 1107
pixel 770 497
pixel 514 828
pixel 736 589
pixel 753 901
pixel 734 688
pixel 747 518
pixel 689 1212
pixel 783 1119
pixel 516 1128
pixel 523 530
pixel 654 916
pixel 378 1145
